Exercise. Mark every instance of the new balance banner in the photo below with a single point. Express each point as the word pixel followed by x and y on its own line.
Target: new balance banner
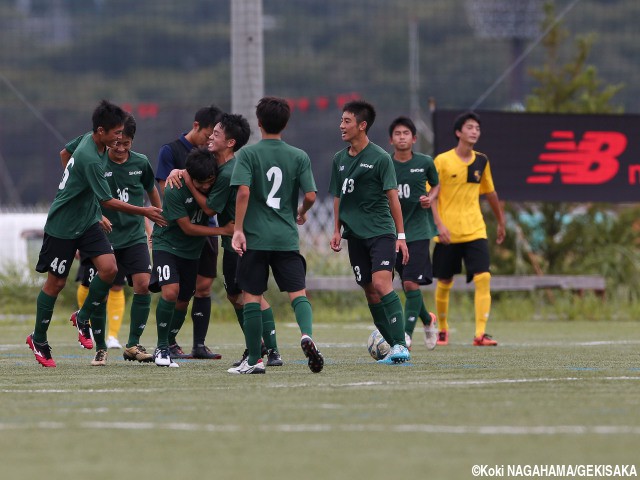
pixel 555 157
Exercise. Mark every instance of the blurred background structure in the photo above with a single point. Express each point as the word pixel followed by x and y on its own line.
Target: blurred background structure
pixel 162 60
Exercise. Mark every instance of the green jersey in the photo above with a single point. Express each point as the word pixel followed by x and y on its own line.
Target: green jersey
pixel 275 172
pixel 76 206
pixel 413 176
pixel 360 183
pixel 128 181
pixel 222 199
pixel 179 203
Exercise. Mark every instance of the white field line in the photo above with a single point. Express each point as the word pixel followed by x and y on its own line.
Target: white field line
pixel 365 385
pixel 578 430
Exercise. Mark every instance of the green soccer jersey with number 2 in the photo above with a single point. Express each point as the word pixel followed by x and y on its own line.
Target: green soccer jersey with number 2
pixel 275 172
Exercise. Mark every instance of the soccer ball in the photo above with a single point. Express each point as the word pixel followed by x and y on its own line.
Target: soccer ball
pixel 377 345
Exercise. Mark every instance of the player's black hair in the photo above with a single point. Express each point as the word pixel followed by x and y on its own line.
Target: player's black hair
pixel 235 127
pixel 208 117
pixel 405 122
pixel 461 119
pixel 273 114
pixel 201 164
pixel 108 116
pixel 363 111
pixel 129 126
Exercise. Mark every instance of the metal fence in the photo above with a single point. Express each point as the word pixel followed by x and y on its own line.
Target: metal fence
pixel 163 60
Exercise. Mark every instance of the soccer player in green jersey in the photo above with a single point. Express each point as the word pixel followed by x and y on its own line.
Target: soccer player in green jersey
pixel 414 171
pixel 129 175
pixel 173 156
pixel 367 213
pixel 177 248
pixel 269 176
pixel 73 223
pixel 229 135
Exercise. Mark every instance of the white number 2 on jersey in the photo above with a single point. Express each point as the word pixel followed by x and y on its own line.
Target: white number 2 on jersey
pixel 274 174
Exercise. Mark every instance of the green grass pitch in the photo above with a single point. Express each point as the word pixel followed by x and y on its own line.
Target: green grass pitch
pixel 551 393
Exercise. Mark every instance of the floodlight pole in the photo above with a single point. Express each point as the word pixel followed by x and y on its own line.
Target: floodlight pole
pixel 247 60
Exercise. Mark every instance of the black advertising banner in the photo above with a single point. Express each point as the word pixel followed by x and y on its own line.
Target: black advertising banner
pixel 555 157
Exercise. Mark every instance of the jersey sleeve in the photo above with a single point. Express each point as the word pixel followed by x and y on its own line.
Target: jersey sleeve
pixel 147 178
pixel 219 194
pixel 334 188
pixel 166 163
pixel 486 182
pixel 387 173
pixel 242 172
pixel 307 182
pixel 173 207
pixel 432 173
pixel 95 176
pixel 73 144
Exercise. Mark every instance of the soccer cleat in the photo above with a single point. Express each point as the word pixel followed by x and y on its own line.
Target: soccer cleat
pixel 484 341
pixel 245 354
pixel 273 358
pixel 176 351
pixel 42 351
pixel 443 337
pixel 112 342
pixel 162 357
pixel 431 333
pixel 245 369
pixel 316 362
pixel 84 331
pixel 100 359
pixel 397 354
pixel 203 352
pixel 137 352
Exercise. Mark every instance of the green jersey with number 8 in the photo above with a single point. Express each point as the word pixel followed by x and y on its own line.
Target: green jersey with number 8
pixel 275 172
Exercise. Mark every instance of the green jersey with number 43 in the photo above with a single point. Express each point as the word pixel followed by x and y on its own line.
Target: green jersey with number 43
pixel 413 176
pixel 76 206
pixel 360 183
pixel 178 203
pixel 275 172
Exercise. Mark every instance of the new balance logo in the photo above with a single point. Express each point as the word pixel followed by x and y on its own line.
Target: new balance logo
pixel 198 314
pixel 385 262
pixel 591 161
pixel 189 200
pixel 108 174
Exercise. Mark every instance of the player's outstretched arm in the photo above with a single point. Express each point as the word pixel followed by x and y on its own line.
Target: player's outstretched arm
pixel 396 214
pixel 152 213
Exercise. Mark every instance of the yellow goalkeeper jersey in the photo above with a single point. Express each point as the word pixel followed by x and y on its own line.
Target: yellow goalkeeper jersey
pixel 461 185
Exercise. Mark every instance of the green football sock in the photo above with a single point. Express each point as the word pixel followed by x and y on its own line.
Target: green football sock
pixel 412 310
pixel 164 314
pixel 240 317
pixel 380 320
pixel 304 314
pixel 395 319
pixel 269 329
pixel 44 312
pixel 98 290
pixel 140 308
pixel 253 331
pixel 99 325
pixel 424 315
pixel 176 324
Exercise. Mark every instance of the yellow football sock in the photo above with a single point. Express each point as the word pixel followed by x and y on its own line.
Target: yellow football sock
pixel 482 301
pixel 442 304
pixel 115 311
pixel 81 294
